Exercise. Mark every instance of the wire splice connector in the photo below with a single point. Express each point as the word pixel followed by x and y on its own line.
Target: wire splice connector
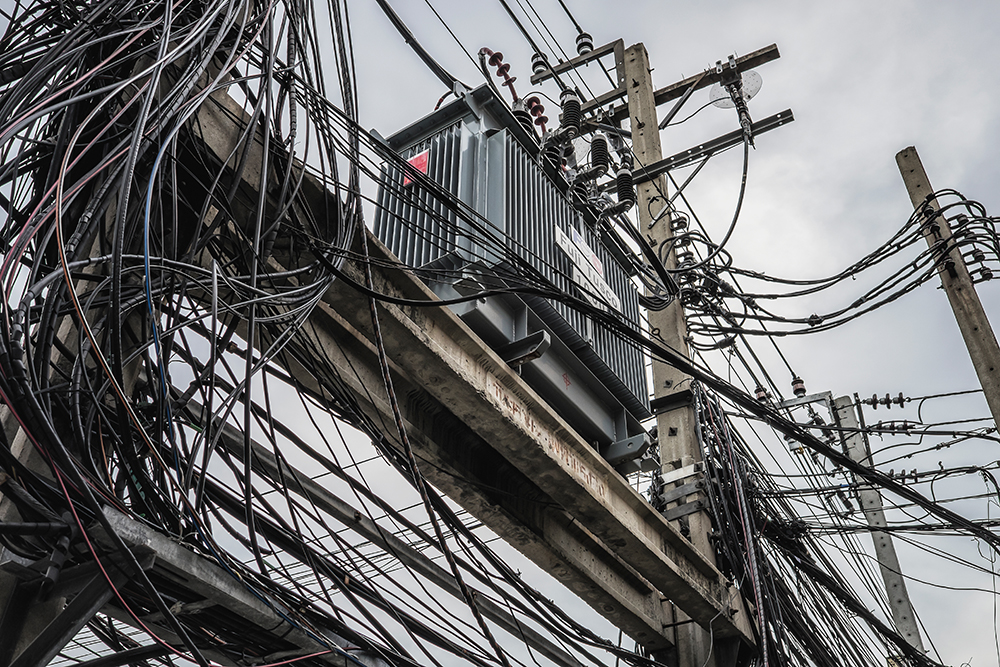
pixel 732 81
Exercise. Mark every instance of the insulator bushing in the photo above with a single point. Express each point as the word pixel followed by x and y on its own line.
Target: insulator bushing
pixel 523 117
pixel 580 194
pixel 678 223
pixel 600 158
pixel 538 111
pixel 554 155
pixel 572 116
pixel 760 393
pixel 798 386
pixel 539 63
pixel 584 43
pixel 986 273
pixel 624 186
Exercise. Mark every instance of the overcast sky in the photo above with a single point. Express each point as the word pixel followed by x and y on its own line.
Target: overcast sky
pixel 864 80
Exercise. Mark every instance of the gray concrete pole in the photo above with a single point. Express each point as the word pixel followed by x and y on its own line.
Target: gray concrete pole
pixel 885 551
pixel 678 442
pixel 972 321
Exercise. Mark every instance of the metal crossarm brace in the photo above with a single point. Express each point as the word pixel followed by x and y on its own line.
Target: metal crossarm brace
pixel 97 591
pixel 684 158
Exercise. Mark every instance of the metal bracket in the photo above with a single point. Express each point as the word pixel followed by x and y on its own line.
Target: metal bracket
pixel 627 449
pixel 675 513
pixel 94 595
pixel 678 399
pixel 682 473
pixel 822 397
pixel 526 349
pixel 616 47
pixel 672 495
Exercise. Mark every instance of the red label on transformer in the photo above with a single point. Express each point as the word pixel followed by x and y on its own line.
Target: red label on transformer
pixel 418 162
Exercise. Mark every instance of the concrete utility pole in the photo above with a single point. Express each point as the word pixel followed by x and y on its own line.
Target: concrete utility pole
pixel 675 420
pixel 965 303
pixel 871 502
pixel 680 451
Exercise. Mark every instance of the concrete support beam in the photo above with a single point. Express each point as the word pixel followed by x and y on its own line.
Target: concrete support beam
pixel 464 466
pixel 265 462
pixel 462 397
pixel 434 351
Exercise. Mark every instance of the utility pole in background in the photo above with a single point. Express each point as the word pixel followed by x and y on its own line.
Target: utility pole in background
pixel 955 278
pixel 903 616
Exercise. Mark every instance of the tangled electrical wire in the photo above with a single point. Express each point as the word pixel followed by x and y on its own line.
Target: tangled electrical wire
pixel 765 545
pixel 719 310
pixel 181 187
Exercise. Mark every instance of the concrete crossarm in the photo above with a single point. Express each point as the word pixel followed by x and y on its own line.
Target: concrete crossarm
pixel 437 352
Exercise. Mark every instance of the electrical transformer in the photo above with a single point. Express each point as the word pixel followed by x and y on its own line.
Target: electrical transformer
pixel 476 150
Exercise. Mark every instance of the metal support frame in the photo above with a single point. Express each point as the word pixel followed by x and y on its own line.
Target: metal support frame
pixel 88 589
